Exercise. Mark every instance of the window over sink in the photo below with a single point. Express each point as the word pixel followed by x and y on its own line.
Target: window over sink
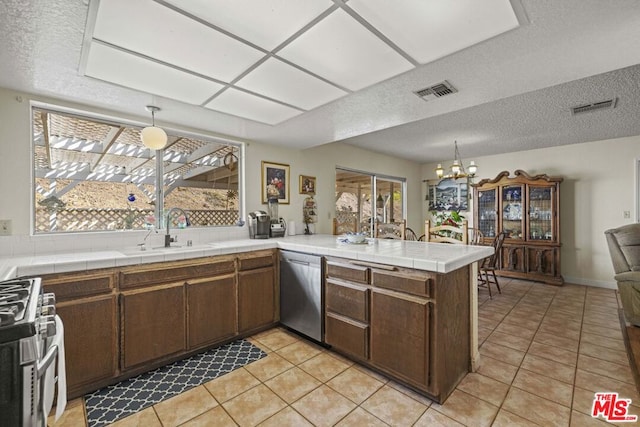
pixel 92 173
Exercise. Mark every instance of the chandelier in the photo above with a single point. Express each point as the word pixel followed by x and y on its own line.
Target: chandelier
pixel 457 168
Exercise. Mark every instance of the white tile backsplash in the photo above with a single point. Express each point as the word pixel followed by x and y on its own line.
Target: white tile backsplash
pixel 22 245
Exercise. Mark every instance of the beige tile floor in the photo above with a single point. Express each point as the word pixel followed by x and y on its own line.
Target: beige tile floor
pixel 544 351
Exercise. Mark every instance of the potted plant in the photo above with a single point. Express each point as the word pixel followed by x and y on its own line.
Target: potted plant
pixel 452 218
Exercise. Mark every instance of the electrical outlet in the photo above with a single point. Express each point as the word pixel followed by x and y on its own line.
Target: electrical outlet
pixel 627 214
pixel 5 227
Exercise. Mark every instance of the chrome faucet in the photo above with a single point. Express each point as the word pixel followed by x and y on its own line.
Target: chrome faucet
pixel 167 237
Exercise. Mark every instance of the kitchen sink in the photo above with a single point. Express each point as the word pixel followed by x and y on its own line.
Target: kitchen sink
pixel 136 250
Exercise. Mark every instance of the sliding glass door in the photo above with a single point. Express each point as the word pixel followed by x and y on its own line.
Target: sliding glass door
pixel 366 199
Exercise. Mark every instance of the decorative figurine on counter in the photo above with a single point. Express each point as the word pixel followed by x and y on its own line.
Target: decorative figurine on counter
pixel 309 213
pixel 306 226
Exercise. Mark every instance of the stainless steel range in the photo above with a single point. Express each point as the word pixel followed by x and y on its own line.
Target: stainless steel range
pixel 28 347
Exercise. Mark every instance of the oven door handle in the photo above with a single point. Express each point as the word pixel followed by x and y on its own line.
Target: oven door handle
pixel 47 360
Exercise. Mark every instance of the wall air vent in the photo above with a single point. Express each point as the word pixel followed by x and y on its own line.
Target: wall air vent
pixel 436 91
pixel 610 103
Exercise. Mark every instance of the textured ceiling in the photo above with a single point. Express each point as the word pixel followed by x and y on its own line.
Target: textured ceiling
pixel 514 90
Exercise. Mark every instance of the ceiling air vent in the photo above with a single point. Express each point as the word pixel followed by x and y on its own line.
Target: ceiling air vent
pixel 610 103
pixel 436 91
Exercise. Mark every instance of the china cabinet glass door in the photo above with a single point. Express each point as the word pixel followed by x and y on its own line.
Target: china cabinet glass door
pixel 541 213
pixel 487 218
pixel 512 215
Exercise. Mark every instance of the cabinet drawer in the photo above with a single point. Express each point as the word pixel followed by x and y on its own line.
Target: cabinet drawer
pixel 354 273
pixel 348 300
pixel 347 335
pixel 140 276
pixel 71 286
pixel 416 284
pixel 249 263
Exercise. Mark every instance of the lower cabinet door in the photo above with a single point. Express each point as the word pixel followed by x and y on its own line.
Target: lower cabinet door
pixel 513 258
pixel 256 298
pixel 212 310
pixel 90 336
pixel 153 324
pixel 347 335
pixel 542 260
pixel 400 335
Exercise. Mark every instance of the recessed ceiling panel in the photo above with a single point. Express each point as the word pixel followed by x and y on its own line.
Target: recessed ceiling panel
pixel 430 29
pixel 341 50
pixel 242 104
pixel 151 29
pixel 266 23
pixel 115 66
pixel 281 81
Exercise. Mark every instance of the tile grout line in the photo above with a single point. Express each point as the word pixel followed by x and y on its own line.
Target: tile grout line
pixel 575 371
pixel 500 408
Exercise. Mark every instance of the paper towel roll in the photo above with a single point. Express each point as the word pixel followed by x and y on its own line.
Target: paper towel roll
pixel 50 374
pixel 292 228
pixel 62 369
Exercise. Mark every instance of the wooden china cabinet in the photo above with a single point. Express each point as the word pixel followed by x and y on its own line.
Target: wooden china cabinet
pixel 527 208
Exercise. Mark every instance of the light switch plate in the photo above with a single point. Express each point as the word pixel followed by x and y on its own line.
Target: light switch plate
pixel 5 227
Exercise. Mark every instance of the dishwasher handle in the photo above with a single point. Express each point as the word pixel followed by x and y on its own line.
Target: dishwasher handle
pixel 295 261
pixel 301 258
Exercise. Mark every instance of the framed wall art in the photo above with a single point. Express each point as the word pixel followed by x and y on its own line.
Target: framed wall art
pixel 448 194
pixel 275 182
pixel 307 184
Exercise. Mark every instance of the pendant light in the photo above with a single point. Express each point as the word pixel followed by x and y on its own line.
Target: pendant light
pixel 153 137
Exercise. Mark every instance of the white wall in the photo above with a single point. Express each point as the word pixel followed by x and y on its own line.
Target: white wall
pixel 598 187
pixel 321 162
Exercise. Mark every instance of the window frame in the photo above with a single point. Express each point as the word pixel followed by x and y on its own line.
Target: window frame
pixel 374 177
pixel 115 120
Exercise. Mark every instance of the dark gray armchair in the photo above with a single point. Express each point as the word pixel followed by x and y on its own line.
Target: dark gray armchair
pixel 624 247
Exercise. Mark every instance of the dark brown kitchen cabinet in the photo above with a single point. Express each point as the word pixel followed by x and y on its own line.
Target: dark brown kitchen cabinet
pixel 527 209
pixel 90 333
pixel 153 324
pixel 400 335
pixel 124 321
pixel 87 305
pixel 257 304
pixel 347 307
pixel 347 313
pixel 347 335
pixel 412 325
pixel 177 271
pixel 212 310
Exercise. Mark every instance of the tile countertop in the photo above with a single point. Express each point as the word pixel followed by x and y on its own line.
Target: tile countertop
pixel 438 257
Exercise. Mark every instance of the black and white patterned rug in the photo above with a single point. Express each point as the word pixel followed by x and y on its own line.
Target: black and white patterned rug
pixel 120 400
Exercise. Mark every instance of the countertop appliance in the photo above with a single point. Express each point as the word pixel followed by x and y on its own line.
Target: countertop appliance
pixel 278 228
pixel 301 293
pixel 28 347
pixel 259 225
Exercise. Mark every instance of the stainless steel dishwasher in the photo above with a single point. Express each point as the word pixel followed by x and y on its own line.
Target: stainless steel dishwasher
pixel 301 293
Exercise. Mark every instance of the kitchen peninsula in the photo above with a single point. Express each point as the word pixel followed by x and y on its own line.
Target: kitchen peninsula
pixel 425 289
